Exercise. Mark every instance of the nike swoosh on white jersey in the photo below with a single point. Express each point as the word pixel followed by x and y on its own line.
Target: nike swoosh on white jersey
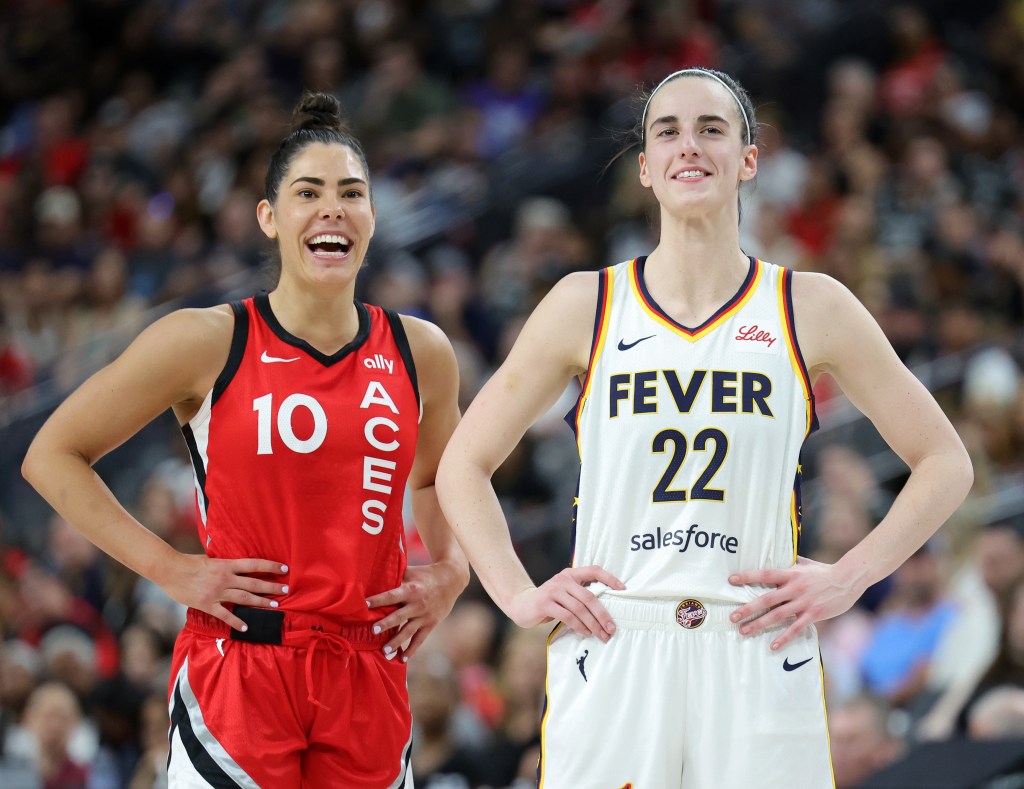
pixel 271 359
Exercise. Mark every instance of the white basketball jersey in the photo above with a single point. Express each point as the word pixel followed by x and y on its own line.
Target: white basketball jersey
pixel 690 438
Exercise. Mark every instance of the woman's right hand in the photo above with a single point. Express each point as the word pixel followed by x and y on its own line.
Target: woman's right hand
pixel 206 584
pixel 565 598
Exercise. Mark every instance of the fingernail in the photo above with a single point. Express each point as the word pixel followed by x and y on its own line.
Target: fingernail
pixel 376 630
pixel 284 568
pixel 734 617
pixel 388 649
pixel 611 627
pixel 405 659
pixel 775 645
pixel 245 628
pixel 284 590
pixel 368 604
pixel 745 631
pixel 734 579
pixel 273 603
pixel 390 655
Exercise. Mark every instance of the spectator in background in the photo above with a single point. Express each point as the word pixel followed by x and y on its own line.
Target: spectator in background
pixel 862 739
pixel 910 626
pixel 1007 668
pixel 404 113
pixel 515 750
pixel 151 772
pixel 50 718
pixel 438 761
pixel 983 589
pixel 998 715
pixel 506 100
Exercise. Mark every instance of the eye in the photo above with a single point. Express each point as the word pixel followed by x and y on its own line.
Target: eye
pixel 667 132
pixel 306 193
pixel 713 130
pixel 354 194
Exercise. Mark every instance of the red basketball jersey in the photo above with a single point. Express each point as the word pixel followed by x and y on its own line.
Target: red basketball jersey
pixel 302 457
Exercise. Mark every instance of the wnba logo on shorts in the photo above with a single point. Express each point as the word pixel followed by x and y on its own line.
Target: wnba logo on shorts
pixel 691 614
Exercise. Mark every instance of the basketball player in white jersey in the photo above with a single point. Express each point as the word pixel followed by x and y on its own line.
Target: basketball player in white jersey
pixel 687 655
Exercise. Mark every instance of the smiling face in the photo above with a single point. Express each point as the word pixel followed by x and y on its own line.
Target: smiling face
pixel 323 218
pixel 695 154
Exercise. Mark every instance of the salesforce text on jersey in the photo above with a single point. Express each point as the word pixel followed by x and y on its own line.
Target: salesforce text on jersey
pixel 695 535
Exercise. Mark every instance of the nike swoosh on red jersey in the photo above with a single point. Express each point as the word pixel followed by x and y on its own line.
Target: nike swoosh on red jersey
pixel 271 359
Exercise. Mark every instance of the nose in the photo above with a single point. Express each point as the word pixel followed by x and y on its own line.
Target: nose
pixel 333 208
pixel 689 142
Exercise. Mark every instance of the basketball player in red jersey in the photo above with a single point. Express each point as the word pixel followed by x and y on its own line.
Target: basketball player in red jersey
pixel 306 414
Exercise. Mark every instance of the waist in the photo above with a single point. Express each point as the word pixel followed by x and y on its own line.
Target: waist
pixel 288 628
pixel 686 612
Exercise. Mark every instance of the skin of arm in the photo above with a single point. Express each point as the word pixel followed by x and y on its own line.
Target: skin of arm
pixel 173 363
pixel 428 592
pixel 554 347
pixel 838 336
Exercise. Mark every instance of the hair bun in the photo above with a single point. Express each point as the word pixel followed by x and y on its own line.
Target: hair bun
pixel 318 111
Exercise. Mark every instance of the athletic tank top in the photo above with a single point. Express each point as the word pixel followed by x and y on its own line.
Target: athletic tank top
pixel 689 438
pixel 302 457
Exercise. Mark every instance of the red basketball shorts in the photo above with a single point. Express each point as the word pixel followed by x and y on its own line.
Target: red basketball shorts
pixel 306 702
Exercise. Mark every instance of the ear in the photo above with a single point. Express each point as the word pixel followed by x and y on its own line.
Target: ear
pixel 645 177
pixel 748 168
pixel 265 216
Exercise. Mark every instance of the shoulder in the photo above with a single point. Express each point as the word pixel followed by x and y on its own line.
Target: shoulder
pixel 426 340
pixel 831 323
pixel 812 285
pixel 192 343
pixel 437 369
pixel 579 289
pixel 571 303
pixel 191 331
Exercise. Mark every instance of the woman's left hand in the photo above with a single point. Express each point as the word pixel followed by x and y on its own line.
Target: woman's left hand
pixel 426 596
pixel 805 593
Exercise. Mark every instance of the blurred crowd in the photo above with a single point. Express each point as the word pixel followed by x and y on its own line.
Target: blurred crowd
pixel 134 136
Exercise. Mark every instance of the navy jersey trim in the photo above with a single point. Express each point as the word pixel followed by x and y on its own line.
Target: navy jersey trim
pixel 787 283
pixel 262 302
pixel 239 339
pixel 641 262
pixel 603 308
pixel 402 341
pixel 205 764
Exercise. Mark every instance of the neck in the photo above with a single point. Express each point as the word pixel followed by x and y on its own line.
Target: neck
pixel 696 267
pixel 326 319
pixel 702 253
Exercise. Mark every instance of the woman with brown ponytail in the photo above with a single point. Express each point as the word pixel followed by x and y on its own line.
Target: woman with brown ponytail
pixel 306 414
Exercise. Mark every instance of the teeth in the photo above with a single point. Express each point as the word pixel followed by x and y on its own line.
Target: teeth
pixel 328 238
pixel 690 174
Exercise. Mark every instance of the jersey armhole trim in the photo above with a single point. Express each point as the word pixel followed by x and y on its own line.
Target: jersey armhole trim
pixel 795 355
pixel 402 341
pixel 602 317
pixel 239 338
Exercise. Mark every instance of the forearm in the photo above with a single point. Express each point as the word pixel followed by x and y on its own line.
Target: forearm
pixel 474 513
pixel 438 538
pixel 935 488
pixel 77 493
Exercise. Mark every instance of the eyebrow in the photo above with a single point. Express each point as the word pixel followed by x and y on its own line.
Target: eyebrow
pixel 668 119
pixel 321 182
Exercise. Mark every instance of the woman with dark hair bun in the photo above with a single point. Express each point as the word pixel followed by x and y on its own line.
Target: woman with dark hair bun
pixel 307 414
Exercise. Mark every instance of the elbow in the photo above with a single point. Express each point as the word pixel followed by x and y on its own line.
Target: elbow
pixel 966 472
pixel 32 465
